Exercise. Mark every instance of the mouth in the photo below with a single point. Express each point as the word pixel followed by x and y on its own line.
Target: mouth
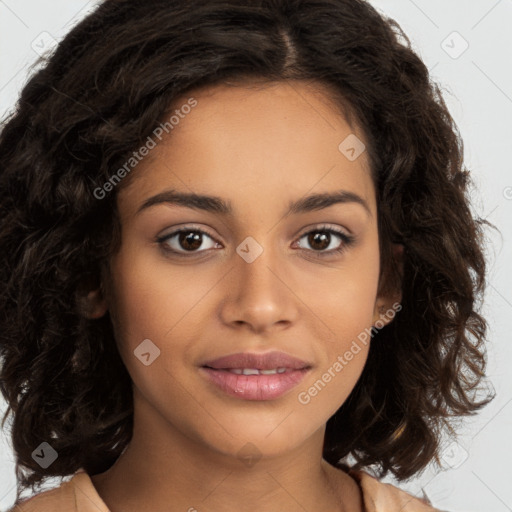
pixel 252 371
pixel 255 376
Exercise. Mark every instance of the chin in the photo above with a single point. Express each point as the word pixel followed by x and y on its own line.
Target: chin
pixel 259 439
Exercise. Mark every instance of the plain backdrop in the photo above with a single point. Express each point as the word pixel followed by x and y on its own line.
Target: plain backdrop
pixel 467 46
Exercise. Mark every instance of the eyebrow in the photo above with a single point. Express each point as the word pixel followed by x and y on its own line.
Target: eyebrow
pixel 214 204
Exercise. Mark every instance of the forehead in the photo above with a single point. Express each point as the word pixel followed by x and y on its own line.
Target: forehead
pixel 278 139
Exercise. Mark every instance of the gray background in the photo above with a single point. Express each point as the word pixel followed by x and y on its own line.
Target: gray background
pixel 478 89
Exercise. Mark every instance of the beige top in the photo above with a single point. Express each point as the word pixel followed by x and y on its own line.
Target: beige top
pixel 80 495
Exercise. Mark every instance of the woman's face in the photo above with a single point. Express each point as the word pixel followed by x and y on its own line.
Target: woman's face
pixel 263 277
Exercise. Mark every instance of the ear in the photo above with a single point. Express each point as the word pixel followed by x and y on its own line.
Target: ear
pixel 390 294
pixel 95 304
pixel 92 302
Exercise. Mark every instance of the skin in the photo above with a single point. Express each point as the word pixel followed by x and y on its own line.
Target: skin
pixel 259 148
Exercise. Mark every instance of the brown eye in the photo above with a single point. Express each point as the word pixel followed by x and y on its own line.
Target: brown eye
pixel 190 241
pixel 319 240
pixel 326 241
pixel 187 240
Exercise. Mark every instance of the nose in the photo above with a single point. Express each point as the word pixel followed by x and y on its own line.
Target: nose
pixel 259 296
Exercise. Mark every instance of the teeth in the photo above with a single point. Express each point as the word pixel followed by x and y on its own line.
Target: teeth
pixel 255 371
pixel 250 371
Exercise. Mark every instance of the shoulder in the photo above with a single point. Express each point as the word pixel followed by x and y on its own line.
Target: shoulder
pixel 76 495
pixel 59 499
pixel 381 497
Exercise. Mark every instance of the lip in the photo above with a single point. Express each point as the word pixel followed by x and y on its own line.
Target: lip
pixel 255 387
pixel 266 361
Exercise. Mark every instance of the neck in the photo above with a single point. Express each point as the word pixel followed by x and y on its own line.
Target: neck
pixel 163 469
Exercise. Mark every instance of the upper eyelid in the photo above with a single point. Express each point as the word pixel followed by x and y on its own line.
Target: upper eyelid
pixel 176 231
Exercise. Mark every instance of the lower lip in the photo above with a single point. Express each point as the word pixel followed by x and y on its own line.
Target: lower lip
pixel 254 387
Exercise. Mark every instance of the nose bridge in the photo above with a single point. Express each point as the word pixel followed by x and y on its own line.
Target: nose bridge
pixel 259 295
pixel 254 267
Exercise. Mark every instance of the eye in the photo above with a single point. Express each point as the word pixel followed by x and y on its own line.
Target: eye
pixel 192 240
pixel 322 238
pixel 186 240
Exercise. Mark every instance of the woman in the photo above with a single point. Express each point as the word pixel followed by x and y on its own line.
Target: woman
pixel 239 262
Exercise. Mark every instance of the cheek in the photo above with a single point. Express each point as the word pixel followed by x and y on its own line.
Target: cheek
pixel 343 360
pixel 147 309
pixel 149 298
pixel 159 302
pixel 346 304
pixel 344 298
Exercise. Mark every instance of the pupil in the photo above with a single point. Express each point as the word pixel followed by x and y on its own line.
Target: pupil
pixel 192 240
pixel 320 236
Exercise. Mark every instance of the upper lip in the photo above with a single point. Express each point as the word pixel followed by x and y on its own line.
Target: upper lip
pixel 267 361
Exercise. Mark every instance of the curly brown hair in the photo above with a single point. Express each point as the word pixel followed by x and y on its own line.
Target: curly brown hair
pixel 97 99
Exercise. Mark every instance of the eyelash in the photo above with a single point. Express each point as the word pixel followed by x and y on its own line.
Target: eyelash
pixel 347 240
